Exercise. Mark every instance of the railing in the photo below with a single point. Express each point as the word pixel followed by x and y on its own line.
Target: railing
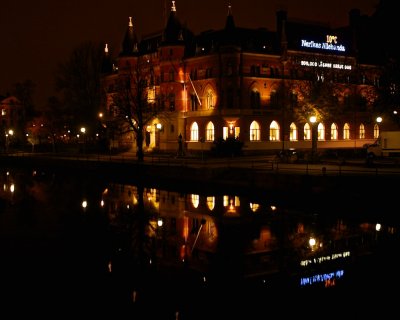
pixel 255 163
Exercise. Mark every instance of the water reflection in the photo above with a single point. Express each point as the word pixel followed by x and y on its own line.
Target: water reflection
pixel 131 246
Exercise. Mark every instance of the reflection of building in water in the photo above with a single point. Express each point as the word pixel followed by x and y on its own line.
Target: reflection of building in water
pixel 257 238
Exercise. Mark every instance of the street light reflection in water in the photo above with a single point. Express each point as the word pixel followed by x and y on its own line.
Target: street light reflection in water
pixel 139 244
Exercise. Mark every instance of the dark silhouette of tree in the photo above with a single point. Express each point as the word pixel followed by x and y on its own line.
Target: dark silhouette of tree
pixel 387 53
pixel 48 126
pixel 78 80
pixel 388 102
pixel 24 91
pixel 135 102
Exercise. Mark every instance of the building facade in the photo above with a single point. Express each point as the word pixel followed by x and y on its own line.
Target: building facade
pixel 11 121
pixel 301 86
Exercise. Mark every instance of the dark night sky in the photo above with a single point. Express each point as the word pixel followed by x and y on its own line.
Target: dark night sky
pixel 37 35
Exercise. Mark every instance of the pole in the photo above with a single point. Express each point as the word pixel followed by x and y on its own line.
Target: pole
pixel 314 141
pixel 195 240
pixel 283 106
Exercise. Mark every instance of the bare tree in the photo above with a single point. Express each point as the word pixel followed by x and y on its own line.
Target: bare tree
pixel 78 79
pixel 136 102
pixel 24 91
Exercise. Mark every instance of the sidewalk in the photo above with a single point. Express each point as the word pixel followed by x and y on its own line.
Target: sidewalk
pixel 254 163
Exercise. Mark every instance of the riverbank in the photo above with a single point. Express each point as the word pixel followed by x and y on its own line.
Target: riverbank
pixel 240 175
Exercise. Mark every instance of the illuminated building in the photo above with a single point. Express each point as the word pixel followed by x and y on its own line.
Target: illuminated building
pixel 253 85
pixel 10 120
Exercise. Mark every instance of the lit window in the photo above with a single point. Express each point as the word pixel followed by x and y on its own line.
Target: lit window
pixel 194 132
pixel 225 133
pixel 210 100
pixel 211 203
pixel 307 132
pixel 362 132
pixel 254 131
pixel 195 200
pixel 321 132
pixel 346 131
pixel 274 131
pixel 210 133
pixel 237 132
pixel 334 131
pixel 376 131
pixel 293 132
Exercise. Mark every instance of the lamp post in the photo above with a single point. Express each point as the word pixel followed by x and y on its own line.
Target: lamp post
pixel 83 130
pixel 283 104
pixel 158 127
pixel 314 136
pixel 6 146
pixel 378 121
pixel 9 134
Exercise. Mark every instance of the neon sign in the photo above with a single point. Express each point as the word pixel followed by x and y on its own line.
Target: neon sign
pixel 322 64
pixel 321 259
pixel 331 44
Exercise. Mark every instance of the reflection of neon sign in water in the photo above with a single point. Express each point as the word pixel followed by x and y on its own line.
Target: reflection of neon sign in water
pixel 321 278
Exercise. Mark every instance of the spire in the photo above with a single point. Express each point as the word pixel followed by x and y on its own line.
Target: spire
pixel 107 65
pixel 173 30
pixel 130 42
pixel 230 24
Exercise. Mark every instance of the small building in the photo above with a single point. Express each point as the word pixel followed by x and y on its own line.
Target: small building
pixel 11 121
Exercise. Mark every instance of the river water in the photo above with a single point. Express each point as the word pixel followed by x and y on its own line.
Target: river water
pixel 73 243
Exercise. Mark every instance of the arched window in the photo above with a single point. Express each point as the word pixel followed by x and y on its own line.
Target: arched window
pixel 273 98
pixel 321 131
pixel 210 100
pixel 211 203
pixel 293 132
pixel 194 132
pixel 307 131
pixel 193 102
pixel 376 131
pixel 361 134
pixel 254 131
pixel 274 131
pixel 171 75
pixel 195 200
pixel 255 99
pixel 346 131
pixel 171 99
pixel 334 131
pixel 210 133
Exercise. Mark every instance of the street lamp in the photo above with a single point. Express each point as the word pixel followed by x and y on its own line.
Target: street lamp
pixel 377 128
pixel 83 130
pixel 9 134
pixel 158 127
pixel 314 136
